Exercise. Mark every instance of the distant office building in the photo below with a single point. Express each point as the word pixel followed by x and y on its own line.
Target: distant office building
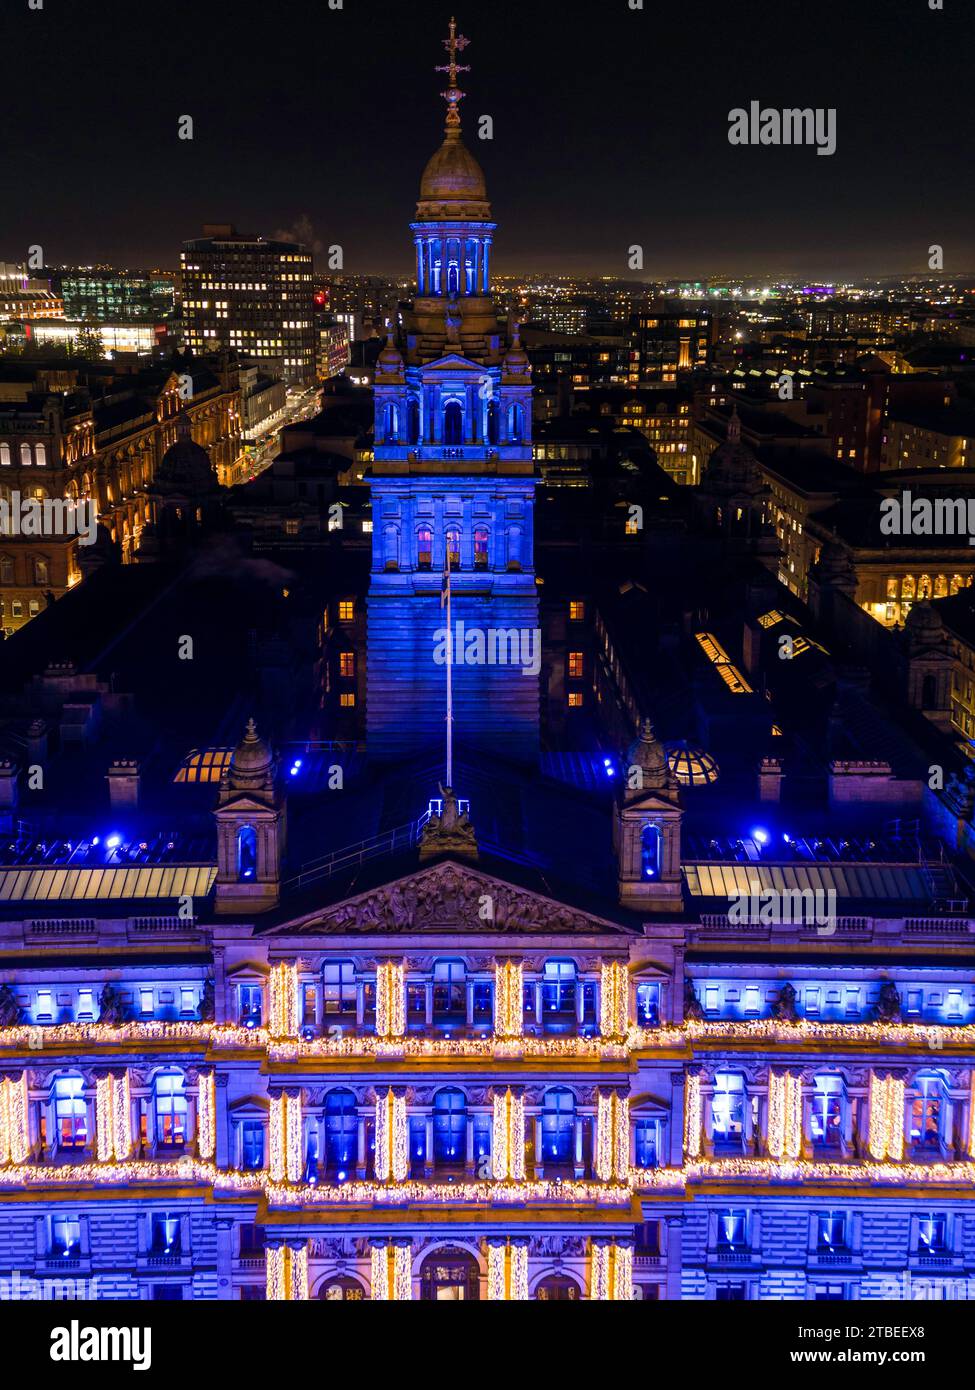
pixel 931 438
pixel 253 295
pixel 664 342
pixel 333 349
pixel 115 296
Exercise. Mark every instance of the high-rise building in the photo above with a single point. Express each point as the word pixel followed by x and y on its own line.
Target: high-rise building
pixel 253 295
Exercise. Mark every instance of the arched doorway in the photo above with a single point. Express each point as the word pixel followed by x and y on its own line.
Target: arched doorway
pixel 450 1274
pixel 558 1288
pixel 342 1289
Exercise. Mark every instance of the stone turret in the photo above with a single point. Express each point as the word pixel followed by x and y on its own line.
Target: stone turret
pixel 646 828
pixel 250 817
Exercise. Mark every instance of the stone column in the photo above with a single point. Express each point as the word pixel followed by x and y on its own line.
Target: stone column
pixel 428 1148
pixel 361 1155
pixel 469 1156
pixel 225 1257
pixel 223 1156
pixel 675 1234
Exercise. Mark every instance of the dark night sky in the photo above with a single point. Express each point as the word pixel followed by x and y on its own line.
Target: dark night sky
pixel 610 128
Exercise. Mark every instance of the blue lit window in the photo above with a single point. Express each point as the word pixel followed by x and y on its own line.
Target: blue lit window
pixel 827 1111
pixel 515 424
pixel 339 991
pixel 483 1001
pixel 648 1005
pixel 390 421
pixel 65 1236
pixel 166 1235
pixel 170 1099
pixel 418 1140
pixel 70 1112
pixel 482 1136
pixel 932 1234
pixel 728 1107
pixel 493 423
pixel 449 1126
pixel 413 420
pixel 732 1230
pixel 252 1144
pixel 341 1124
pixel 246 853
pixel 650 852
pixel 251 1001
pixel 831 1231
pixel 559 988
pixel 449 1000
pixel 558 1125
pixel 647 1143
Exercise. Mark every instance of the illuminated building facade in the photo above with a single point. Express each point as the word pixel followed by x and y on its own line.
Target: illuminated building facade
pixel 570 1034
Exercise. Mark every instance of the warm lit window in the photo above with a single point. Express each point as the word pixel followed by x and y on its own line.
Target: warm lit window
pixel 347 700
pixel 346 610
pixel 575 699
pixel 577 610
pixel 346 663
pixel 575 665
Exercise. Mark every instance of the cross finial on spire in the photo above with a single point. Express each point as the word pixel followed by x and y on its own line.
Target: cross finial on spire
pixel 455 44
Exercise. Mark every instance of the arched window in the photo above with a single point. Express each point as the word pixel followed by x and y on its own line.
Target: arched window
pixel 493 422
pixel 4 455
pixel 728 1108
pixel 169 1097
pixel 40 571
pixel 650 852
pixel 413 420
pixel 929 1111
pixel 70 1113
pixel 929 692
pixel 559 989
pixel 390 548
pixel 25 459
pixel 453 278
pixel 424 548
pixel 341 1124
pixel 452 540
pixel 449 989
pixel 389 421
pixel 246 853
pixel 449 1126
pixel 907 586
pixel 40 455
pixel 450 1274
pixel 480 548
pixel 342 1289
pixel 924 586
pixel 558 1288
pixel 514 547
pixel 453 423
pixel 828 1104
pixel 515 423
pixel 558 1125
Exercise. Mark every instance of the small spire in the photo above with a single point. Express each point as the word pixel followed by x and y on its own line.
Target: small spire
pixel 455 44
pixel 251 728
pixel 734 425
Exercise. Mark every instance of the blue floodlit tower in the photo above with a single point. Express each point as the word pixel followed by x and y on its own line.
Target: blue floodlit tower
pixel 453 479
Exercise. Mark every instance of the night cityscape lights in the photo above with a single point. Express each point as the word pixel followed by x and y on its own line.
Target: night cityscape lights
pixel 489 811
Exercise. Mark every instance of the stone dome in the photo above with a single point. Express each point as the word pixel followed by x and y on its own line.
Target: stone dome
pixel 732 468
pixel 924 620
pixel 452 172
pixel 453 184
pixel 251 761
pixel 647 753
pixel 185 467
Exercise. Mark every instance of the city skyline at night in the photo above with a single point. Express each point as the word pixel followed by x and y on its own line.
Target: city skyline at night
pixel 487 756
pixel 617 122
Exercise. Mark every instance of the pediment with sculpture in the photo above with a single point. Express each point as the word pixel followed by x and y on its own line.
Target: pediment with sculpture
pixel 452 897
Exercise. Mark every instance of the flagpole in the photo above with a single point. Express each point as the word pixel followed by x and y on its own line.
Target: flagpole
pixel 450 678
